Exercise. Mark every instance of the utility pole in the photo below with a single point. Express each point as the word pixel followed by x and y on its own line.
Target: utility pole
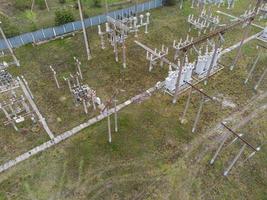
pixel 106 7
pixel 8 46
pixel 86 42
pixel 260 80
pixel 252 68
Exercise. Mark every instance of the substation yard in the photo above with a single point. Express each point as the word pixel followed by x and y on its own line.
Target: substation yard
pixel 153 155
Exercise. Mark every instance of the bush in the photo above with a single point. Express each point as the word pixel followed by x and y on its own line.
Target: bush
pixel 170 2
pixel 63 16
pixel 62 1
pixel 41 4
pixel 22 4
pixel 97 3
pixel 9 29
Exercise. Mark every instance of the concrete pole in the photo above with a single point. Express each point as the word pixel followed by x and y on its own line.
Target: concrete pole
pixel 85 107
pixel 79 69
pixel 235 160
pixel 78 82
pixel 260 80
pixel 8 46
pixel 177 89
pixel 33 2
pixel 55 77
pixel 46 4
pixel 198 113
pixel 115 47
pixel 106 7
pixel 93 102
pixel 187 105
pixel 68 80
pixel 86 42
pixel 219 149
pixel 252 69
pixel 109 127
pixel 123 51
pixel 245 34
pixel 116 115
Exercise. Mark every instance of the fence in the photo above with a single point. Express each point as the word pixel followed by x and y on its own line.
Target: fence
pixel 50 33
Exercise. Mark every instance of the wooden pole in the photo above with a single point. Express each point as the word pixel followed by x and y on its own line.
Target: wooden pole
pixel 86 42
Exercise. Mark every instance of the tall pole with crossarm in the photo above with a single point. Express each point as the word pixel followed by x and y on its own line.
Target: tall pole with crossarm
pixel 86 42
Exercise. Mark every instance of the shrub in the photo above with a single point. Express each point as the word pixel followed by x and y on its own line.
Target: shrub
pixel 170 2
pixel 9 29
pixel 63 16
pixel 22 4
pixel 97 3
pixel 40 4
pixel 62 1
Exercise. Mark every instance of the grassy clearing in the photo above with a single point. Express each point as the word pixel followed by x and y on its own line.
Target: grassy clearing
pixel 25 21
pixel 153 156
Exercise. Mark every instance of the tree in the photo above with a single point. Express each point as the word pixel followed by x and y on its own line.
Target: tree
pixel 63 16
pixel 170 2
pixel 97 3
pixel 9 29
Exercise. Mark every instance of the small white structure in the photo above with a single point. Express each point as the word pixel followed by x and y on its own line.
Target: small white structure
pixel 156 56
pixel 186 76
pixel 204 22
pixel 204 61
pixel 263 36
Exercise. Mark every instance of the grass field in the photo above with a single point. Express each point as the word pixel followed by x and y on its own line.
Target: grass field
pixel 152 156
pixel 22 19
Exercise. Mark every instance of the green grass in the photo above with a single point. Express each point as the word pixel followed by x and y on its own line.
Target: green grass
pixel 152 156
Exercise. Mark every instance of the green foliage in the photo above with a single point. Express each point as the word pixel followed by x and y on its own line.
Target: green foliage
pixel 62 1
pixel 22 4
pixel 97 3
pixel 9 29
pixel 40 4
pixel 170 2
pixel 63 16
